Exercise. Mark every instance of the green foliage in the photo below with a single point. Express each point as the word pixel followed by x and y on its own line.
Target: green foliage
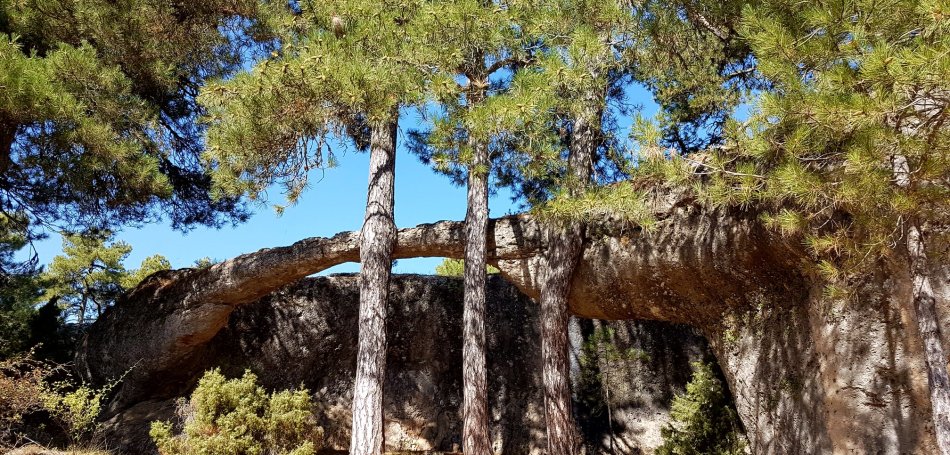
pixel 90 275
pixel 205 262
pixel 340 68
pixel 601 345
pixel 456 268
pixel 690 56
pixel 29 386
pixel 97 111
pixel 148 266
pixel 703 420
pixel 75 407
pixel 569 68
pixel 237 416
pixel 848 146
pixel 622 202
pixel 603 365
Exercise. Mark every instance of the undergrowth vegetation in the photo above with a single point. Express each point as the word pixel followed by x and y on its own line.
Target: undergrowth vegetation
pixel 238 417
pixel 42 397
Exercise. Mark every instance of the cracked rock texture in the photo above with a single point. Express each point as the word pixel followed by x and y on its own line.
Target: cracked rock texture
pixel 305 334
pixel 809 374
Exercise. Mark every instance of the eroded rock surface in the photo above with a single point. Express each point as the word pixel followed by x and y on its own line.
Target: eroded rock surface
pixel 810 374
pixel 305 334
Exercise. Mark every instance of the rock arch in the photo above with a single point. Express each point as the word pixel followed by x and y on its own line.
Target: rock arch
pixel 810 374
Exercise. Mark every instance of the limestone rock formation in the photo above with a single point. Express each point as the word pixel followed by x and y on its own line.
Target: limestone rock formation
pixel 810 374
pixel 305 334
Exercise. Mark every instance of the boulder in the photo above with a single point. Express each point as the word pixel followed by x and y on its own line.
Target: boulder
pixel 305 334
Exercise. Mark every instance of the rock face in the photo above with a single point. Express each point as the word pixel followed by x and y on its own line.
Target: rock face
pixel 305 334
pixel 817 375
pixel 810 374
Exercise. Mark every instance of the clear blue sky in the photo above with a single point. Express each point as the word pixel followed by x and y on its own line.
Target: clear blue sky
pixel 332 204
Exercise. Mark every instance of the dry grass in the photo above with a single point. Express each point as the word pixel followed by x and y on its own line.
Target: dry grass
pixel 38 450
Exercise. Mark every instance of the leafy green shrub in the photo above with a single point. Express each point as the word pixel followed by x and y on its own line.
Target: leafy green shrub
pixel 75 408
pixel 237 416
pixel 703 419
pixel 456 268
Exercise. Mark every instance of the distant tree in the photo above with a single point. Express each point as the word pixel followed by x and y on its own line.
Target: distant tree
pixel 20 290
pixel 703 420
pixel 456 267
pixel 205 262
pixel 90 274
pixel 602 365
pixel 148 266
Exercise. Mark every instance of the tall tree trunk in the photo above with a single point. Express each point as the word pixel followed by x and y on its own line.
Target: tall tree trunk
pixel 475 439
pixel 565 245
pixel 377 240
pixel 925 306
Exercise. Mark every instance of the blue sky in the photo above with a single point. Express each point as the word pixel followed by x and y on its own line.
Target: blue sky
pixel 334 202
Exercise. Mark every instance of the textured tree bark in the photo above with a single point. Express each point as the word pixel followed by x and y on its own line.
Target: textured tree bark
pixel 564 249
pixel 377 240
pixel 925 304
pixel 475 439
pixel 561 256
pixel 925 307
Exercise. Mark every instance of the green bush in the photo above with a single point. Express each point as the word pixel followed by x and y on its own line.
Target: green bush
pixel 239 417
pixel 75 408
pixel 456 268
pixel 703 420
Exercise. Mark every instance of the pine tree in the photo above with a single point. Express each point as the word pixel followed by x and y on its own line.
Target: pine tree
pixel 846 147
pixel 584 75
pixel 478 41
pixel 342 70
pixel 97 110
pixel 851 144
pixel 560 69
pixel 90 274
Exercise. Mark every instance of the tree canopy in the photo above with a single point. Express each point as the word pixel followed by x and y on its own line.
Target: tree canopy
pixel 98 113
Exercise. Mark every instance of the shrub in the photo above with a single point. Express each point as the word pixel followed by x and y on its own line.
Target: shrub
pixel 75 408
pixel 237 416
pixel 29 386
pixel 703 420
pixel 456 268
pixel 22 382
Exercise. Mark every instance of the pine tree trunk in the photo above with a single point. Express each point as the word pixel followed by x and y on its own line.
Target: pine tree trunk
pixel 925 306
pixel 565 245
pixel 377 240
pixel 475 439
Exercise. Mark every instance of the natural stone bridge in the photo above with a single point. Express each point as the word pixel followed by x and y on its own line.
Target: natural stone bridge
pixel 809 374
